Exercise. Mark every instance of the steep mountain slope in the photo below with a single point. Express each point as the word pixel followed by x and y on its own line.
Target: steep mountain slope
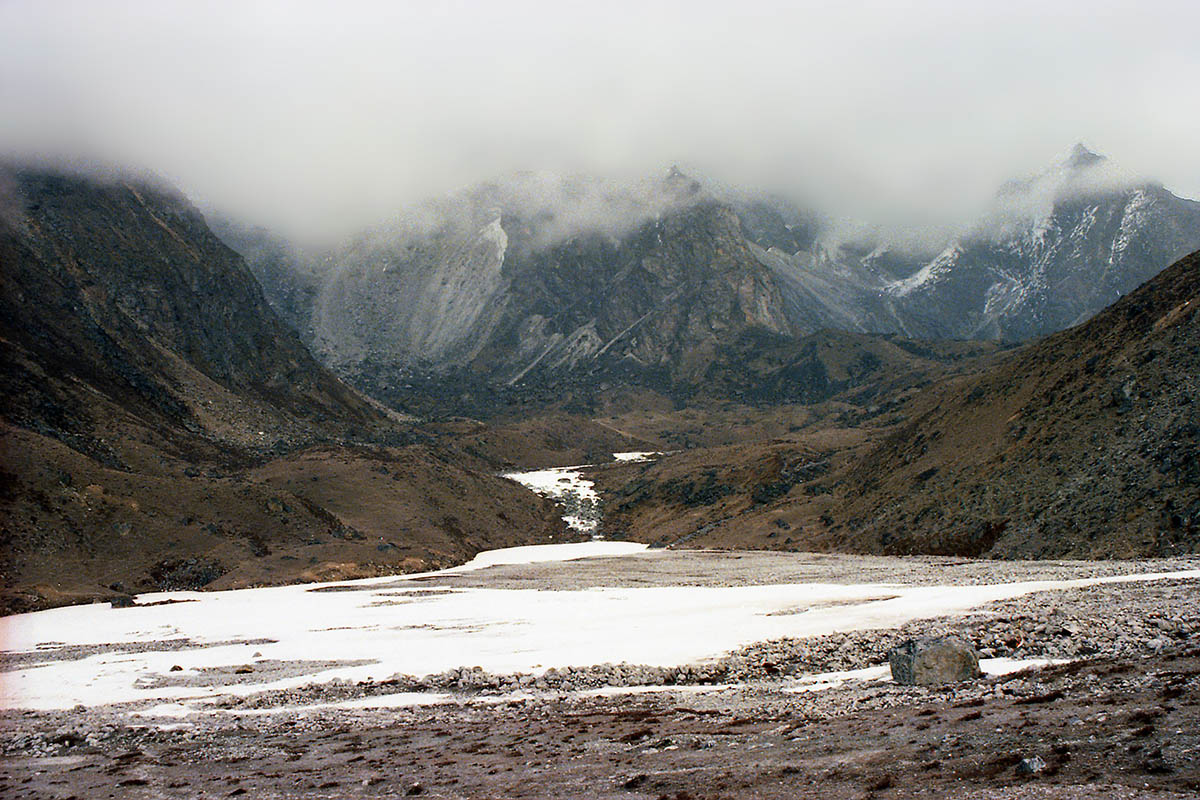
pixel 1056 250
pixel 119 287
pixel 158 421
pixel 493 293
pixel 1084 444
pixel 1088 443
pixel 289 277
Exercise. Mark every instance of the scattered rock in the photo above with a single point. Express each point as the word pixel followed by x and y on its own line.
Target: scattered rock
pixel 634 782
pixel 1031 766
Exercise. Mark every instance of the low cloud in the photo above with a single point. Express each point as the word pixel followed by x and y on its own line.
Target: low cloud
pixel 322 118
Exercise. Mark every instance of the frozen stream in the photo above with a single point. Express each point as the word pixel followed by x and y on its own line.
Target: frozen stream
pixel 246 641
pixel 575 493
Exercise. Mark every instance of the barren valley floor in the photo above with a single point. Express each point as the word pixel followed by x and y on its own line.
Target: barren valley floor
pixel 1091 680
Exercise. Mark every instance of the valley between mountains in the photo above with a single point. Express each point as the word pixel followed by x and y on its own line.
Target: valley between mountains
pixel 268 526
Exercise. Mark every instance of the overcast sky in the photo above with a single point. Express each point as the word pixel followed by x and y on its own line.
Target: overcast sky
pixel 322 116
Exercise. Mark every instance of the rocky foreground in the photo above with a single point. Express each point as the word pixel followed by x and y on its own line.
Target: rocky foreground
pixel 1119 716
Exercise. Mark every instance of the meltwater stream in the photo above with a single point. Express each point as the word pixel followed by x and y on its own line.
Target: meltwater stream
pixel 575 493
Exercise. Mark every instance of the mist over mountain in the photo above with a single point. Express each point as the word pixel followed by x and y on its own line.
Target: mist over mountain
pixel 540 277
pixel 162 428
pixel 520 398
pixel 903 113
pixel 1052 251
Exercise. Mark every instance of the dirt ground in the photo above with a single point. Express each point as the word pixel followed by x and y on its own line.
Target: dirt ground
pixel 1120 728
pixel 1120 719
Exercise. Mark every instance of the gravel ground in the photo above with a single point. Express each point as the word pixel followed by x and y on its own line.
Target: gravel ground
pixel 1121 719
pixel 759 568
pixel 1128 620
pixel 1122 728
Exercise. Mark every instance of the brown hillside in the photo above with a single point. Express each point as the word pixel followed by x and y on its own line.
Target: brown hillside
pixel 161 429
pixel 1085 444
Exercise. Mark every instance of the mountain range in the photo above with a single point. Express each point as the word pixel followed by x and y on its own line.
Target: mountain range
pixel 547 280
pixel 184 408
pixel 1084 444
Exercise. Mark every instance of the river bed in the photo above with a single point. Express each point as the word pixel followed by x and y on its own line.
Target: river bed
pixel 189 648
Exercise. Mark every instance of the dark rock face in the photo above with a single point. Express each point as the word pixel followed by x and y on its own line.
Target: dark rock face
pixel 496 294
pixel 934 660
pixel 119 286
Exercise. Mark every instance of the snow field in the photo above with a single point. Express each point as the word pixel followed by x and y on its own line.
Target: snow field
pixel 423 628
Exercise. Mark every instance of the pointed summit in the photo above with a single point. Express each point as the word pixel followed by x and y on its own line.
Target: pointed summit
pixel 1081 157
pixel 681 183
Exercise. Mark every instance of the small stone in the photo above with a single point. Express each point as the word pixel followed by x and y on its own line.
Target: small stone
pixel 1031 766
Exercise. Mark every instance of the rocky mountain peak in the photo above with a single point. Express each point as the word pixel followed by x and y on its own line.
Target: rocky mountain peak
pixel 681 184
pixel 1081 157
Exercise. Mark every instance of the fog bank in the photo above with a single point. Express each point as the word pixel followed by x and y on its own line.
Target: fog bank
pixel 319 118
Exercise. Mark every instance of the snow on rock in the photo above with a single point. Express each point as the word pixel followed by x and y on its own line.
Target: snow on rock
pixel 930 272
pixel 494 233
pixel 1133 219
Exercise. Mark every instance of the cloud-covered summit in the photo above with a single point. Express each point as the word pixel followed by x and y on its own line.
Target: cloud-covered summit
pixel 322 118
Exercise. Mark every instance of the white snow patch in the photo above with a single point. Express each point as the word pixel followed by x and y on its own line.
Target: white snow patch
pixel 414 631
pixel 1006 666
pixel 494 233
pixel 831 680
pixel 175 710
pixel 395 700
pixel 575 493
pixel 636 456
pixel 541 553
pixel 567 487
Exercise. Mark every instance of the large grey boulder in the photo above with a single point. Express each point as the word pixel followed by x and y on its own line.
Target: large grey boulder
pixel 934 659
